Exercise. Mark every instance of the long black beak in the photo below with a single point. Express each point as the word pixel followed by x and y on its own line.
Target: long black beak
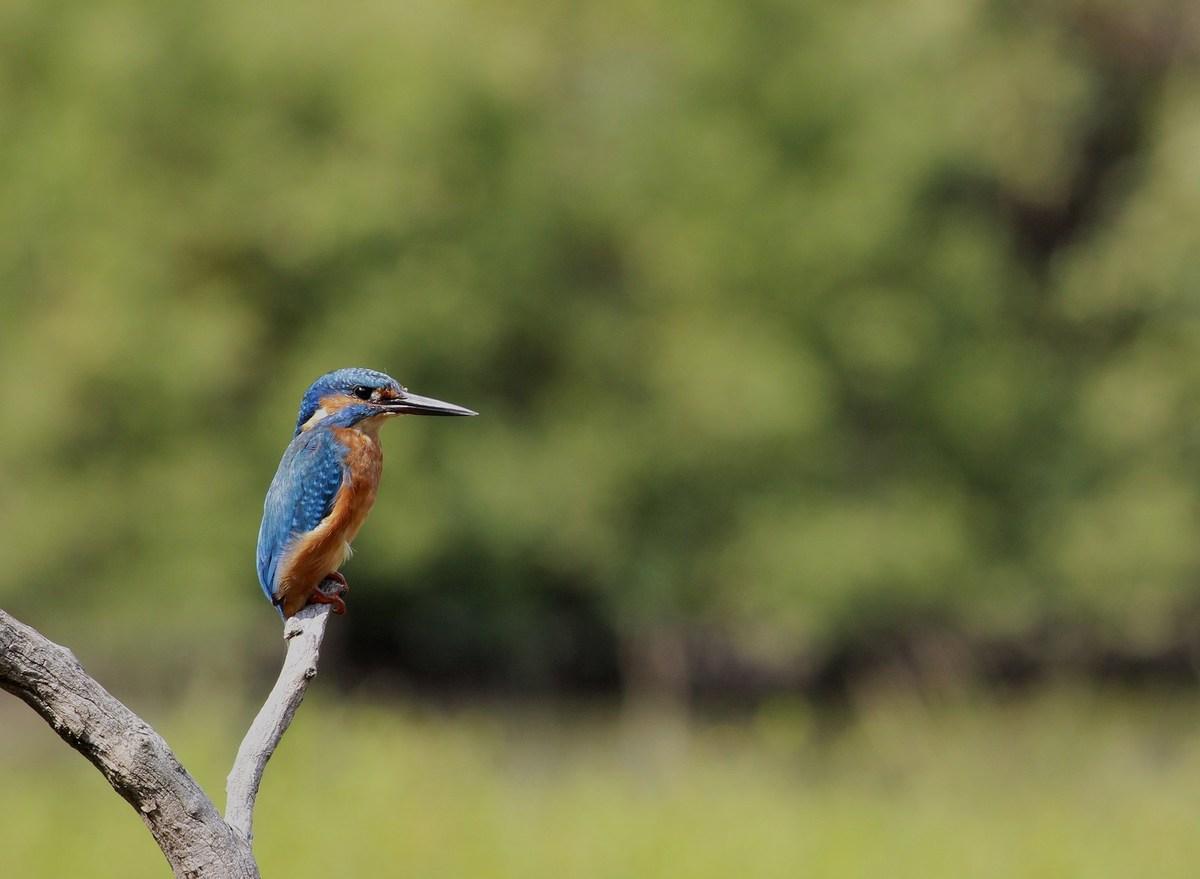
pixel 414 404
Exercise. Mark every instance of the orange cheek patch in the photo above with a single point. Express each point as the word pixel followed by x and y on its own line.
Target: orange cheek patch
pixel 327 406
pixel 337 402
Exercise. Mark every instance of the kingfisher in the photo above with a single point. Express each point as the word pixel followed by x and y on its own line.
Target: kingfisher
pixel 326 484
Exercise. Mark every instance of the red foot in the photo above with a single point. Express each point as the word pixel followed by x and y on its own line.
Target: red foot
pixel 332 596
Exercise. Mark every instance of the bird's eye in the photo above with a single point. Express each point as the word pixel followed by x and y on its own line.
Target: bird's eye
pixel 362 392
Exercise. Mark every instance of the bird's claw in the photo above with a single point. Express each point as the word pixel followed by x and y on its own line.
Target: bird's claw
pixel 333 596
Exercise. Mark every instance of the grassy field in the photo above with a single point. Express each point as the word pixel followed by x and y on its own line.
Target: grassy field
pixel 1068 784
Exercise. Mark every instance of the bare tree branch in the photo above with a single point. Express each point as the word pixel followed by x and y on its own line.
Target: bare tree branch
pixel 132 756
pixel 303 634
pixel 137 762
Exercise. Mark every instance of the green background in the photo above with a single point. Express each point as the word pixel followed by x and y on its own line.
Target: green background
pixel 821 349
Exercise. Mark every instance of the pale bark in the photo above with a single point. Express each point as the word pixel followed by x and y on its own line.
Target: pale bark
pixel 140 766
pixel 303 634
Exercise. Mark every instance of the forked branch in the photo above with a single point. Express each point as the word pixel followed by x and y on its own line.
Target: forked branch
pixel 140 766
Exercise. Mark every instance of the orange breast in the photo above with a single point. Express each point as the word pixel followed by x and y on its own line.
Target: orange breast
pixel 323 550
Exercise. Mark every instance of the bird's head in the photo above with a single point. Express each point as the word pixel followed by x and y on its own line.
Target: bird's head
pixel 345 397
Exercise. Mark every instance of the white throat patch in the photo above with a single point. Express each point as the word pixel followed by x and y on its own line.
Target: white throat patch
pixel 312 421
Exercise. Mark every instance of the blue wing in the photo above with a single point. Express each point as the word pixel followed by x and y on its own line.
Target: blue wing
pixel 300 496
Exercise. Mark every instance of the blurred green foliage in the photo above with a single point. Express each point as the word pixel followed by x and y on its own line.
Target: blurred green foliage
pixel 1060 786
pixel 785 319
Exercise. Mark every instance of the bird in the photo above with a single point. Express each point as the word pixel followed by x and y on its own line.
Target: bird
pixel 326 484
